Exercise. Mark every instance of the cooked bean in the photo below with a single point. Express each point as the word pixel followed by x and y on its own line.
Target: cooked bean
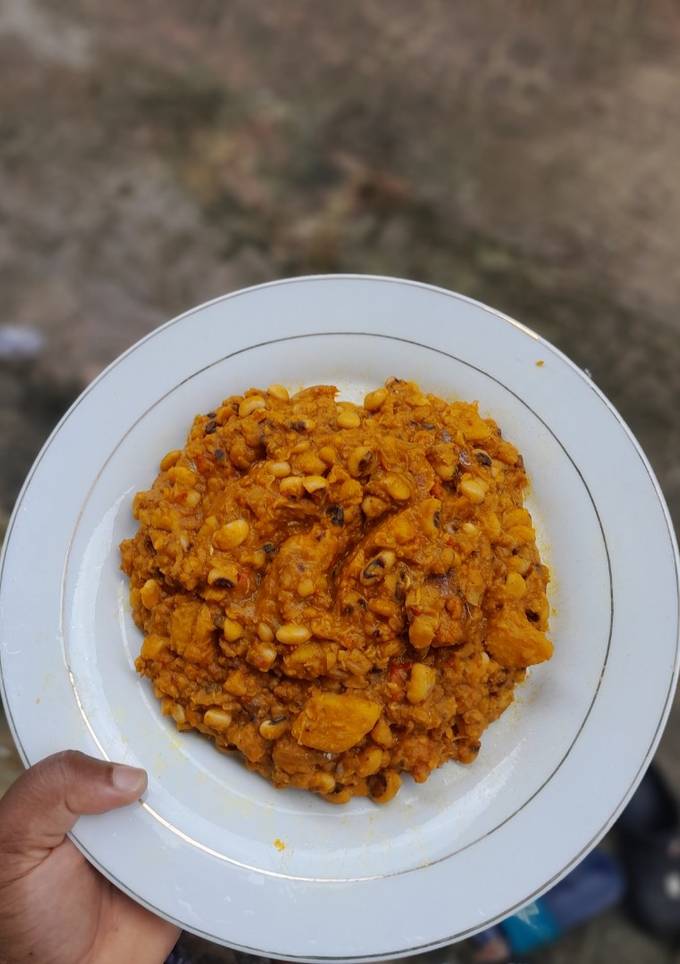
pixel 232 630
pixel 278 391
pixel 170 459
pixel 473 489
pixel 421 682
pixel 253 403
pixel 372 506
pixel 384 786
pixel 273 729
pixel 279 469
pixel 421 631
pixel 375 400
pixel 376 568
pixel 224 577
pixel 397 487
pixel 305 587
pixel 231 535
pixel 217 719
pixel 515 585
pixel 291 487
pixel 150 593
pixel 336 514
pixel 360 460
pixel 313 483
pixel 348 419
pixel 292 634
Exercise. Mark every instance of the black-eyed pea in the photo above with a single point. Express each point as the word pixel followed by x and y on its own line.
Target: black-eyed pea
pixel 311 464
pixel 372 506
pixel 231 535
pixel 274 729
pixel 375 400
pixel 322 783
pixel 348 418
pixel 421 631
pixel 473 489
pixel 258 559
pixel 421 682
pixel 223 577
pixel 291 487
pixel 217 719
pixel 374 570
pixel 253 403
pixel 382 734
pixel 431 516
pixel 305 587
pixel 150 594
pixel 360 460
pixel 384 785
pixel 515 585
pixel 302 424
pixel 328 454
pixel 370 761
pixel 261 654
pixel 223 414
pixel 193 498
pixel 178 714
pixel 445 472
pixel 314 483
pixel 170 459
pixel 182 475
pixel 519 564
pixel 292 634
pixel 265 632
pixel 280 470
pixel 232 630
pixel 397 487
pixel 492 525
pixel 279 392
pixel 351 492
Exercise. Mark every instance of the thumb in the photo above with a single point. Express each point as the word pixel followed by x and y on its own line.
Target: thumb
pixel 43 805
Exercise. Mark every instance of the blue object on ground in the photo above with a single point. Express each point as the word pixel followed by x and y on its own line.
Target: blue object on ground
pixel 593 887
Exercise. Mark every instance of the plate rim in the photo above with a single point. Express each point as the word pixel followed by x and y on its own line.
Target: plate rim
pixel 583 376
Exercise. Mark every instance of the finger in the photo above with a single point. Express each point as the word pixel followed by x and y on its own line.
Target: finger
pixel 43 805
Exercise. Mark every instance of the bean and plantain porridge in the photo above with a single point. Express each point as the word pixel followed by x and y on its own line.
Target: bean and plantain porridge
pixel 340 593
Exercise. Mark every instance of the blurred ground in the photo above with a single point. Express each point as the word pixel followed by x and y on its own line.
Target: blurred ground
pixel 155 154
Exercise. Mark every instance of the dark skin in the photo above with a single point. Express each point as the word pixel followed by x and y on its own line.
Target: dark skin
pixel 54 907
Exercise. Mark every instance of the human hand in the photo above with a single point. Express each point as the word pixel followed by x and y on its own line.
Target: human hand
pixel 54 906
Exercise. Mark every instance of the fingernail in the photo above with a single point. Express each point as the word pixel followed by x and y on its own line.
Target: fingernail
pixel 128 780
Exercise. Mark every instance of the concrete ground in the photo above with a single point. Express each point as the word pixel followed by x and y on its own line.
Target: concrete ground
pixel 154 154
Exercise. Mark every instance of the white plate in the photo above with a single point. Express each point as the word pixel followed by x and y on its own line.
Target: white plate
pixel 445 858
